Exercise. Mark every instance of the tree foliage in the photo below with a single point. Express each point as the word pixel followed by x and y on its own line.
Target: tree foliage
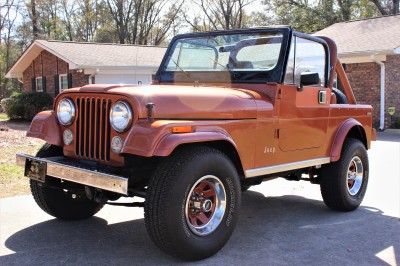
pixel 154 22
pixel 310 16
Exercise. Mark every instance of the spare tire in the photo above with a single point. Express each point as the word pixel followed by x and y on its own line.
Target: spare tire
pixel 341 98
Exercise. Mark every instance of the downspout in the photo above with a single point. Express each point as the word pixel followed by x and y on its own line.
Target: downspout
pixel 382 110
pixel 94 74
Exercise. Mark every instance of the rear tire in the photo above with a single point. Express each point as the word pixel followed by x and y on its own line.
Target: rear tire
pixel 344 183
pixel 64 204
pixel 192 203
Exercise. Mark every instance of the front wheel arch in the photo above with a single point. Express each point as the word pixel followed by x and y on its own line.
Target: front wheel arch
pixel 223 146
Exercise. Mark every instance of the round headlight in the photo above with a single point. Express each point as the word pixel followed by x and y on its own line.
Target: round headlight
pixel 66 112
pixel 120 116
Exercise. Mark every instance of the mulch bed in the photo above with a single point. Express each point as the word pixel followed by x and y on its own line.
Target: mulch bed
pixel 3 126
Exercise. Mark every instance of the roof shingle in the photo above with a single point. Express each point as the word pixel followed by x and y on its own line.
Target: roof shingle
pixel 372 35
pixel 106 55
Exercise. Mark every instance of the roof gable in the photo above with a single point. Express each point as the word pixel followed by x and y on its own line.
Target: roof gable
pixel 368 36
pixel 91 55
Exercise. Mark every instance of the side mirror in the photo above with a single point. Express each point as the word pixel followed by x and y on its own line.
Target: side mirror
pixel 309 78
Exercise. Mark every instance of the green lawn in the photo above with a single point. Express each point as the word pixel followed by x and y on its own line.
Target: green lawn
pixel 12 141
pixel 12 180
pixel 3 117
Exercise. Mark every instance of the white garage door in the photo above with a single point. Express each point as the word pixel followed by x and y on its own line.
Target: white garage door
pixel 122 79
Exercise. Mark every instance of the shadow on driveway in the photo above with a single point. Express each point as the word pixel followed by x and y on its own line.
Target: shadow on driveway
pixel 389 135
pixel 287 230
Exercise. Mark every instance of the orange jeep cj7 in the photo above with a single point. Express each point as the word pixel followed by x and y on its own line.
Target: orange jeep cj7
pixel 227 110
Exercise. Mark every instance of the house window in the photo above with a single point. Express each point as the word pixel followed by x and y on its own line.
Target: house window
pixel 63 82
pixel 39 84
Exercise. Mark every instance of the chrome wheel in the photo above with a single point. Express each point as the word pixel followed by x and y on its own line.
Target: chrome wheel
pixel 205 205
pixel 355 175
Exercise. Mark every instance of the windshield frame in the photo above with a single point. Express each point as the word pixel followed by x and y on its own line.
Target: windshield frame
pixel 254 76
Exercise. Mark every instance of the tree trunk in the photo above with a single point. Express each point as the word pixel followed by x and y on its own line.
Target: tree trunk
pixel 395 9
pixel 381 9
pixel 35 29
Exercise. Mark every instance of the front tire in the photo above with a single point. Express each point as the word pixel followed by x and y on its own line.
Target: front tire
pixel 344 183
pixel 66 204
pixel 192 203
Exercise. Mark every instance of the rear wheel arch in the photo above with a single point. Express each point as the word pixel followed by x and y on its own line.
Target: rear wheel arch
pixel 358 132
pixel 349 129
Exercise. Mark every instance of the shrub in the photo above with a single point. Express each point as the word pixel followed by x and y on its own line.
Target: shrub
pixel 26 105
pixel 396 122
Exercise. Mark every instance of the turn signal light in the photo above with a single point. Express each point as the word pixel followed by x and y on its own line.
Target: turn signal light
pixel 185 129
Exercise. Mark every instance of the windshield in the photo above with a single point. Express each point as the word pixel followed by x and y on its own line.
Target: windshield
pixel 243 55
pixel 232 56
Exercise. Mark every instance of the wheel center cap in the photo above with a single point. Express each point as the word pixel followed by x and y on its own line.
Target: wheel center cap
pixel 352 175
pixel 207 205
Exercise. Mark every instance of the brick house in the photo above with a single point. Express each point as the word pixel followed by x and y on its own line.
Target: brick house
pixel 370 52
pixel 53 66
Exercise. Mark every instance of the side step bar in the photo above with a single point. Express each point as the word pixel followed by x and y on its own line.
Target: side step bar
pixel 37 168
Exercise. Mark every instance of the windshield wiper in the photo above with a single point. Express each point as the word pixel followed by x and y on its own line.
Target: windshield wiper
pixel 234 74
pixel 181 69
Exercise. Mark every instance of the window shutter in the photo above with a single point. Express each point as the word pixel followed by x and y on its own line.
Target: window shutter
pixel 44 84
pixel 69 76
pixel 33 80
pixel 56 85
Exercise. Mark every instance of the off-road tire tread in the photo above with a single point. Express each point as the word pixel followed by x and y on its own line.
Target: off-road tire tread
pixel 333 195
pixel 42 198
pixel 157 190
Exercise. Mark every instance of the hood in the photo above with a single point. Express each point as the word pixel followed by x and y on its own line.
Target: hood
pixel 183 102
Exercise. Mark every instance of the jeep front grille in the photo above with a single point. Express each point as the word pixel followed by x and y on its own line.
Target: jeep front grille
pixel 93 128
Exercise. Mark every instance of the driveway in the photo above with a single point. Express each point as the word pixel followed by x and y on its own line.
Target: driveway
pixel 281 223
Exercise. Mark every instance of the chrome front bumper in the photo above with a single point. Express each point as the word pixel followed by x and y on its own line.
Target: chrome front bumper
pixel 58 168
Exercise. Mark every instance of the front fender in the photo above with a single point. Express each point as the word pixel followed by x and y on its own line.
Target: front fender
pixel 156 139
pixel 341 135
pixel 170 142
pixel 45 126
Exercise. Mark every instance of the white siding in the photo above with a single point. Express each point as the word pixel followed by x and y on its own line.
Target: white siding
pixel 123 78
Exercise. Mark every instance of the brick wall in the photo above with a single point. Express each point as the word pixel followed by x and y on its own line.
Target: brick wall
pixel 79 79
pixel 48 65
pixel 364 79
pixel 26 78
pixel 392 87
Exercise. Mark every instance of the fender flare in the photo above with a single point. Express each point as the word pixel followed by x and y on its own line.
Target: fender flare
pixel 341 135
pixel 169 143
pixel 45 126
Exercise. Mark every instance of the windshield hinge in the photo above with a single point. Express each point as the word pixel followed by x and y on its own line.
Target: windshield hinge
pixel 276 133
pixel 279 96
